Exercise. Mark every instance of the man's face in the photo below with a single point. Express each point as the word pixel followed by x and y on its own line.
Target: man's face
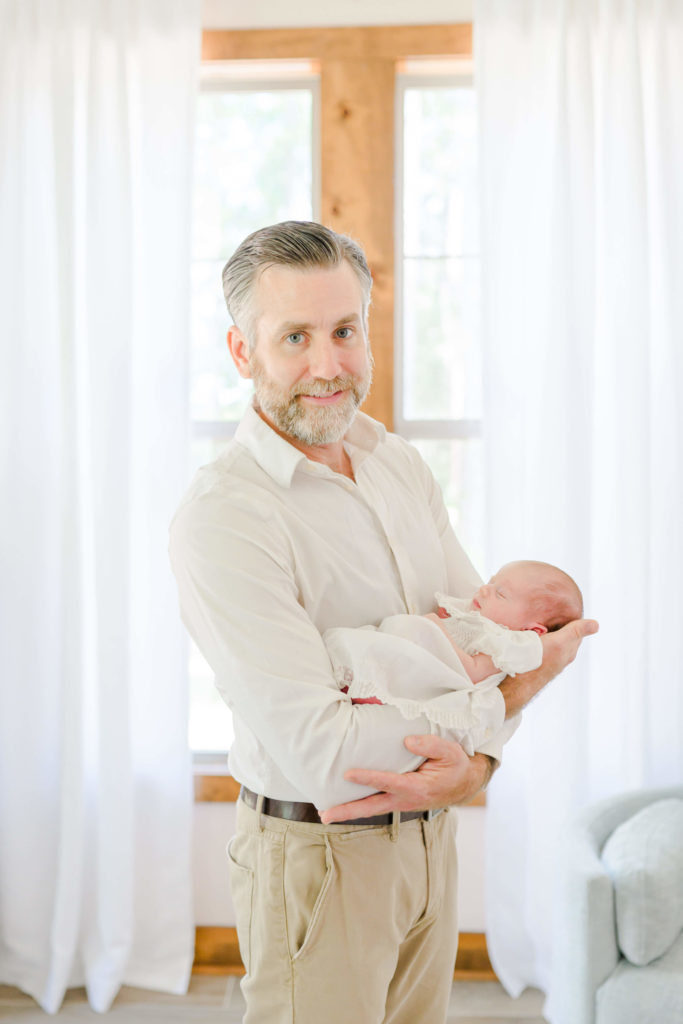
pixel 309 359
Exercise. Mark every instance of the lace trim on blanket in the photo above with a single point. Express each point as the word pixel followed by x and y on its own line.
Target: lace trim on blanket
pixel 463 717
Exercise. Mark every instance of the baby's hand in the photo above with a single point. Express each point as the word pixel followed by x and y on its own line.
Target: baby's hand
pixel 480 667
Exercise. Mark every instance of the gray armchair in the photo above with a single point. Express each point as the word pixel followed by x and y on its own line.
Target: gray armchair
pixel 618 955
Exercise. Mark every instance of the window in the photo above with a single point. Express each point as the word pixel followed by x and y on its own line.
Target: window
pixel 254 165
pixel 313 136
pixel 437 397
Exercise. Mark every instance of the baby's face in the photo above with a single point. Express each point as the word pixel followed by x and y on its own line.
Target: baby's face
pixel 508 597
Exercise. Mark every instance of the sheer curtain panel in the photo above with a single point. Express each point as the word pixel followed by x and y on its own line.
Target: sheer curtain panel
pixel 582 191
pixel 96 123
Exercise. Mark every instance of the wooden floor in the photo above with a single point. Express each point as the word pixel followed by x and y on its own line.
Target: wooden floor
pixel 217 1000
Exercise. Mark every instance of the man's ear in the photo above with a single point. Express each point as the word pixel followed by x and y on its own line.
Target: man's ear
pixel 538 628
pixel 239 350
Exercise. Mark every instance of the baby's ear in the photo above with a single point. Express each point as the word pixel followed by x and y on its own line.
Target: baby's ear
pixel 538 628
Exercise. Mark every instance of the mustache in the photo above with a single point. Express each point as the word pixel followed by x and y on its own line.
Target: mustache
pixel 318 388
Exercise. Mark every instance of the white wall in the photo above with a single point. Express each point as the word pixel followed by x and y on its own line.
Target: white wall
pixel 214 823
pixel 308 13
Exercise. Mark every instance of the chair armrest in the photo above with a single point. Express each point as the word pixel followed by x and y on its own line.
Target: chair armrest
pixel 585 950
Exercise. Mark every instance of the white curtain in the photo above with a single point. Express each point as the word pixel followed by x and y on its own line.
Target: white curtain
pixel 96 110
pixel 581 131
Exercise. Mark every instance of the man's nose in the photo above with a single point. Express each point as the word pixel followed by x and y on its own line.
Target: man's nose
pixel 323 360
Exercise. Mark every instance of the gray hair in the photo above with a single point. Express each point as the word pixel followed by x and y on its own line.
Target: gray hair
pixel 292 243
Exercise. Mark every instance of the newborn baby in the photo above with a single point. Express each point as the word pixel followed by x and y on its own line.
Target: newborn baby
pixel 499 629
pixel 430 664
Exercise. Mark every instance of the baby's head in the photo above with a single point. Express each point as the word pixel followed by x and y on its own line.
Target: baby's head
pixel 530 595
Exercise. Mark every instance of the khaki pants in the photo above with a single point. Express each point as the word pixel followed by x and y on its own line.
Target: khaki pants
pixel 342 923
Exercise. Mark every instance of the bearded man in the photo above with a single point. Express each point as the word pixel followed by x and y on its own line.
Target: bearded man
pixel 313 517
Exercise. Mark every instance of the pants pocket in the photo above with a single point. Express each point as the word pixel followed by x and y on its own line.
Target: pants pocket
pixel 242 892
pixel 309 873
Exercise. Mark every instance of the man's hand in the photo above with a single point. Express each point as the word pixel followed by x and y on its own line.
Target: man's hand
pixel 559 650
pixel 448 776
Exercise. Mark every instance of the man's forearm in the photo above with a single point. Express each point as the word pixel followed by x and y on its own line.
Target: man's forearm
pixel 481 770
pixel 519 691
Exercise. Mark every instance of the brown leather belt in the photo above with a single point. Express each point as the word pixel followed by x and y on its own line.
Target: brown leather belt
pixel 293 811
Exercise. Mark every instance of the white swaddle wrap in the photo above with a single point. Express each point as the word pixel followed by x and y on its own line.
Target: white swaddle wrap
pixel 407 661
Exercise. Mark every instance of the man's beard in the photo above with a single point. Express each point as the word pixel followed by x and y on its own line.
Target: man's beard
pixel 324 425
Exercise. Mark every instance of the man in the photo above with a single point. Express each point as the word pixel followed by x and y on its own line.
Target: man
pixel 315 517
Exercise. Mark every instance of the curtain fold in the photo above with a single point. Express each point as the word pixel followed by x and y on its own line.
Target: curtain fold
pixel 97 104
pixel 582 210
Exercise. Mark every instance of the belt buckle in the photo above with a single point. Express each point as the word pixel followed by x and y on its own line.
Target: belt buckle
pixel 432 813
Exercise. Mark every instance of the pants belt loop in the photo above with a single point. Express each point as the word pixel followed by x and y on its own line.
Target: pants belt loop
pixel 259 809
pixel 395 823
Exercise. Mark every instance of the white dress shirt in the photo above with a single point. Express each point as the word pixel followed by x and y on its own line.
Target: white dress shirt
pixel 270 549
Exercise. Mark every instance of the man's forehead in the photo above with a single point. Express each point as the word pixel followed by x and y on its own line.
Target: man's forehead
pixel 308 296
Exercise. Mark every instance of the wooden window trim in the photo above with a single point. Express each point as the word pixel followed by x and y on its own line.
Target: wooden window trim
pixel 355 43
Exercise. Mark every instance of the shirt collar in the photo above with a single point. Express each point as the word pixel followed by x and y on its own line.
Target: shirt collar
pixel 280 459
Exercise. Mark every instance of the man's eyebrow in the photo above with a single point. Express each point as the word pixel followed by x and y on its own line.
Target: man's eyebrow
pixel 298 325
pixel 351 318
pixel 294 325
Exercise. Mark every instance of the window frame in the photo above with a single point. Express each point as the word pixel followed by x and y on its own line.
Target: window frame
pixel 417 429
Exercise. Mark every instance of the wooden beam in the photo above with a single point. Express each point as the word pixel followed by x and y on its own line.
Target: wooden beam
pixel 357 178
pixel 367 42
pixel 217 952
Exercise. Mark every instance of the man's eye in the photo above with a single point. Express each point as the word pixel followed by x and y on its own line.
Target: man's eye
pixel 344 332
pixel 296 338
